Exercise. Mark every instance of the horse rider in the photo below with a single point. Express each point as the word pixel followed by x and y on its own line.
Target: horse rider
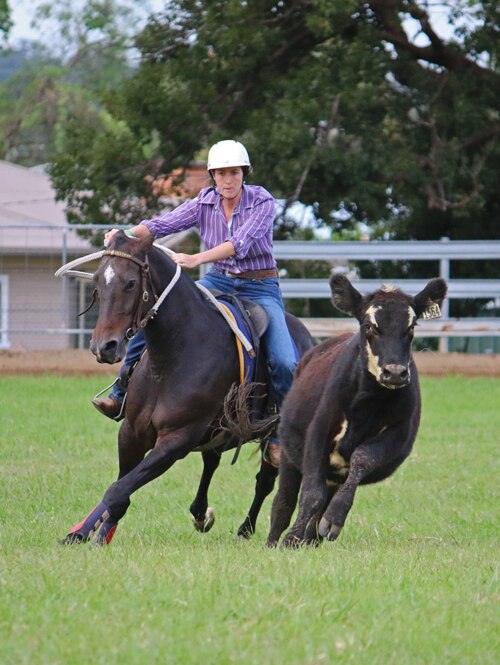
pixel 235 222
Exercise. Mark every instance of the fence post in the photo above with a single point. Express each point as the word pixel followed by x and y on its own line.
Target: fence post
pixel 444 272
pixel 64 285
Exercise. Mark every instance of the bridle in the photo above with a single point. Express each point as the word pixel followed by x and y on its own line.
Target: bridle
pixel 138 320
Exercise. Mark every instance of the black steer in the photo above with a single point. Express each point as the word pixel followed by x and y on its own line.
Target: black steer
pixel 353 411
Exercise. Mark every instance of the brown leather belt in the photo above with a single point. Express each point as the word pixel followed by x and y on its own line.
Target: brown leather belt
pixel 253 274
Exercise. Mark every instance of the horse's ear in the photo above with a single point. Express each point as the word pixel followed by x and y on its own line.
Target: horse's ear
pixel 427 303
pixel 345 297
pixel 139 245
pixel 146 243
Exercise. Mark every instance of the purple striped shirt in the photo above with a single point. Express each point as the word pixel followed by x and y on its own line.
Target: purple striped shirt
pixel 250 228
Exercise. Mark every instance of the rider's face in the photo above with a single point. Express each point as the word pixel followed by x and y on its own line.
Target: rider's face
pixel 229 181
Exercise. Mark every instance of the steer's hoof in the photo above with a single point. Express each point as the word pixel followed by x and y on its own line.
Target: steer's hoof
pixel 206 523
pixel 292 541
pixel 327 530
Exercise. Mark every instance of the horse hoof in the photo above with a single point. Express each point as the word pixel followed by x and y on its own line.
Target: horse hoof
pixel 72 539
pixel 105 533
pixel 328 530
pixel 206 523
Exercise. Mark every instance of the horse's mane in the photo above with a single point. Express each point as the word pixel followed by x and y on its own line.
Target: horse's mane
pixel 164 256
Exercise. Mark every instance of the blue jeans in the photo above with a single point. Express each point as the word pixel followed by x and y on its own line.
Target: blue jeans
pixel 276 340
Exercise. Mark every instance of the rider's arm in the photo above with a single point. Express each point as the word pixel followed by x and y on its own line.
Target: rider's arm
pixel 222 251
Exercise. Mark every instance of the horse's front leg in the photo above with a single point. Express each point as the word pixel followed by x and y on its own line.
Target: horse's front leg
pixel 168 448
pixel 131 451
pixel 203 515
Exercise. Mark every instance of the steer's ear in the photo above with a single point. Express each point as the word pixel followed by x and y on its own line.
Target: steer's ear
pixel 344 296
pixel 427 303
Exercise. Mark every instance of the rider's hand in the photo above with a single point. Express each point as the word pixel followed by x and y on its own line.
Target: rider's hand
pixel 108 235
pixel 186 260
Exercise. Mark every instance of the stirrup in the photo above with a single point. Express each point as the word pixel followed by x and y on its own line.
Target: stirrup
pixel 121 415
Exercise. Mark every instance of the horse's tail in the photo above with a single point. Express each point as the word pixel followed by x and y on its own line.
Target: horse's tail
pixel 239 420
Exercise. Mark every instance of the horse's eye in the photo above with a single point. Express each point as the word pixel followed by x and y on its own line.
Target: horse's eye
pixel 130 285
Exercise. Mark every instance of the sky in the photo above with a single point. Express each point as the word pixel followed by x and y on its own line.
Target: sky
pixel 23 12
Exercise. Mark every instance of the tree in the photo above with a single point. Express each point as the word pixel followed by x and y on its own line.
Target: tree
pixel 5 19
pixel 338 105
pixel 54 84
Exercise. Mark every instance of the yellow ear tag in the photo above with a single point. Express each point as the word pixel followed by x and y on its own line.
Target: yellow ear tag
pixel 432 311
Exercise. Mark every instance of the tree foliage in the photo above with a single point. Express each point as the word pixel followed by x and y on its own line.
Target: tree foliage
pixel 87 60
pixel 339 103
pixel 5 18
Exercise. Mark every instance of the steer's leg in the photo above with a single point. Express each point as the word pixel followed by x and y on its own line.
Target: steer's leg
pixel 368 459
pixel 203 516
pixel 264 485
pixel 285 500
pixel 314 492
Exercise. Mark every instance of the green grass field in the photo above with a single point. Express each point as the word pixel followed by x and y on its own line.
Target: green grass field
pixel 412 579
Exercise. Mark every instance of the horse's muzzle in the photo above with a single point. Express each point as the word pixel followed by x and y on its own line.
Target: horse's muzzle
pixel 109 352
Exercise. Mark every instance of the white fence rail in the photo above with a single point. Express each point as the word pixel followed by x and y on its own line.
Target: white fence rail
pixel 442 251
pixel 18 259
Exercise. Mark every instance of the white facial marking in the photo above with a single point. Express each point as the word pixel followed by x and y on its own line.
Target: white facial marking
pixel 109 273
pixel 411 316
pixel 373 366
pixel 370 313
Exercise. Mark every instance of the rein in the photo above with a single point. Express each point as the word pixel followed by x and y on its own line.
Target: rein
pixel 68 269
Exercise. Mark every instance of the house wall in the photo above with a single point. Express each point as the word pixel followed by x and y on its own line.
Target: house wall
pixel 35 301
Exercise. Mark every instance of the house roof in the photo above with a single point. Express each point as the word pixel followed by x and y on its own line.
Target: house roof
pixel 27 202
pixel 32 221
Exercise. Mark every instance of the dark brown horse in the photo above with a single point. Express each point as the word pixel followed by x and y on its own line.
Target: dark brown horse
pixel 177 392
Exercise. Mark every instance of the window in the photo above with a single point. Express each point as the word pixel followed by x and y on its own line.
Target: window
pixel 4 311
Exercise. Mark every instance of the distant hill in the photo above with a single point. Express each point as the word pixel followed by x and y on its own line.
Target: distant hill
pixel 12 60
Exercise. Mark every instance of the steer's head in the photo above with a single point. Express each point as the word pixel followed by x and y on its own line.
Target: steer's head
pixel 387 319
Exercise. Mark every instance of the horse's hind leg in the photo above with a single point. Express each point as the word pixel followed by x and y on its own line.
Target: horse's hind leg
pixel 203 516
pixel 264 485
pixel 285 500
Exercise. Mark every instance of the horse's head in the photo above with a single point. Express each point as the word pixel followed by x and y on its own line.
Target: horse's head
pixel 121 287
pixel 124 288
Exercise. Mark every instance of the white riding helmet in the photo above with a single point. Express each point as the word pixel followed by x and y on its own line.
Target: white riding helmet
pixel 225 154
